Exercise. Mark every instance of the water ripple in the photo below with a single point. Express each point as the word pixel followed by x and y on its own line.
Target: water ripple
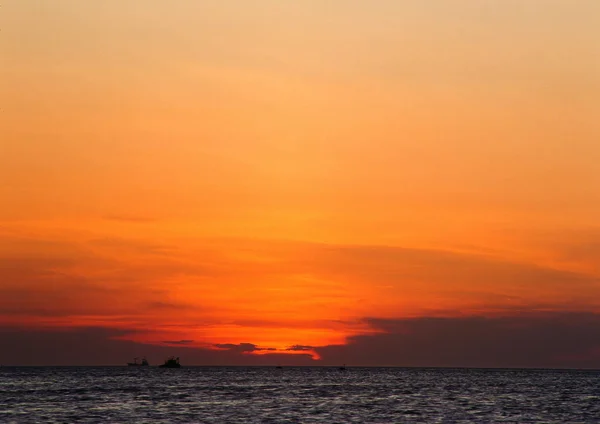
pixel 294 395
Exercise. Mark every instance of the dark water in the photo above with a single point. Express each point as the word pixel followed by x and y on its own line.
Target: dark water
pixel 296 395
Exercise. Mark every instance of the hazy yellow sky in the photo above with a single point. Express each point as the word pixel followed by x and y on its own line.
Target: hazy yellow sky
pixel 276 171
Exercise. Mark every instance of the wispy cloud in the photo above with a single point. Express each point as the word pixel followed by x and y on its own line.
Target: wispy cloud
pixel 134 219
pixel 170 305
pixel 241 347
pixel 178 342
pixel 299 348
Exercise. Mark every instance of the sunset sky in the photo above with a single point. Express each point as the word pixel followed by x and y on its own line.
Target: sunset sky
pixel 385 182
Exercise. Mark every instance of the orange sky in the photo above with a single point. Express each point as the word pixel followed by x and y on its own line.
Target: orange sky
pixel 275 172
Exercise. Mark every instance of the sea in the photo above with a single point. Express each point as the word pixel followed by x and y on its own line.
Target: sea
pixel 296 395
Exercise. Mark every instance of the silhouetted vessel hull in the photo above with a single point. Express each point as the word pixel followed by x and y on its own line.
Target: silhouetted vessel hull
pixel 135 363
pixel 169 366
pixel 171 363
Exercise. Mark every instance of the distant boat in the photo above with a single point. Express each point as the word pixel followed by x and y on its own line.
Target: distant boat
pixel 279 367
pixel 135 363
pixel 171 362
pixel 343 368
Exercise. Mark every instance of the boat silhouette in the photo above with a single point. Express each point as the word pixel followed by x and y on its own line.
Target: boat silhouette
pixel 171 362
pixel 135 363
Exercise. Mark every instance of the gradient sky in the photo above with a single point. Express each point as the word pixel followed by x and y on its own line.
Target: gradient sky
pixel 341 180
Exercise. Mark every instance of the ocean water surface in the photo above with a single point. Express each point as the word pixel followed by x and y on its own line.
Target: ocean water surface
pixel 296 395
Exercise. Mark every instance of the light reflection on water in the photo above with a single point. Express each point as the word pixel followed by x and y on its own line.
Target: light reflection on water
pixel 307 395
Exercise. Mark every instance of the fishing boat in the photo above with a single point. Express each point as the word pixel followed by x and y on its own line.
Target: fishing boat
pixel 135 363
pixel 171 362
